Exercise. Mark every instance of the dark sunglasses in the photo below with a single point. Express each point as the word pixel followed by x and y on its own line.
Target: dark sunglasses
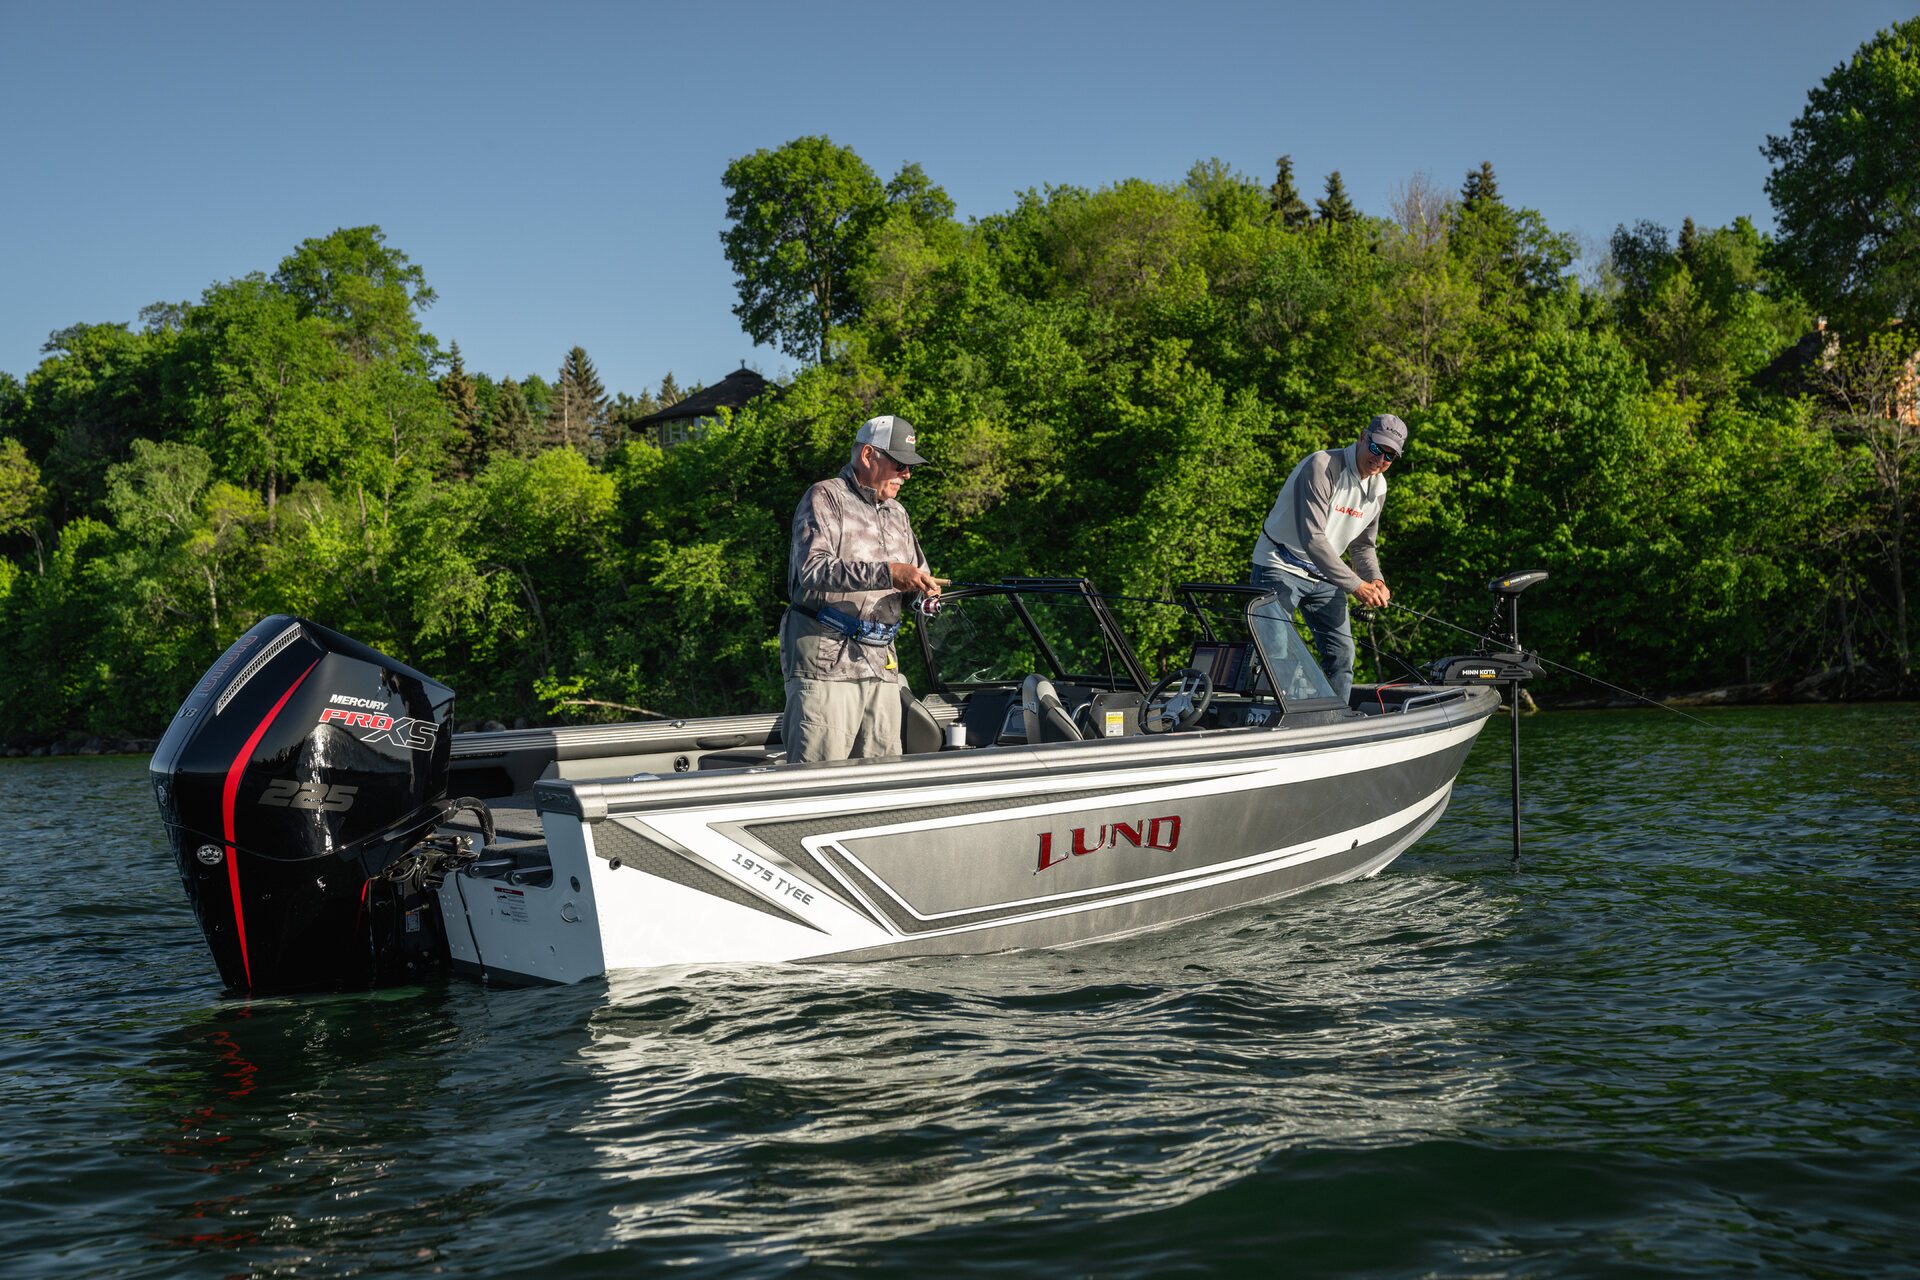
pixel 1379 452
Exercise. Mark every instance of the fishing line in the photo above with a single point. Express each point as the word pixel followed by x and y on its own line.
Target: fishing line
pixel 1394 604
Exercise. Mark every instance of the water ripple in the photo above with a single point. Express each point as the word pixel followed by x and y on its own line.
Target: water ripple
pixel 1678 1037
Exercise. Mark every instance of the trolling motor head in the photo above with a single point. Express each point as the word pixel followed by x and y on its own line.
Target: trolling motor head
pixel 1499 657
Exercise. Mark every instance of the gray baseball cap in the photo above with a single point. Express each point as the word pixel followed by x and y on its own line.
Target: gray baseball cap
pixel 893 436
pixel 1385 429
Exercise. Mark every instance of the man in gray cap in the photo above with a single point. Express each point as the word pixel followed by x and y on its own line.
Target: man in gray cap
pixel 852 565
pixel 1329 507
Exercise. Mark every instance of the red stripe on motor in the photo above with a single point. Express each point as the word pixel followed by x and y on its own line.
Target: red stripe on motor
pixel 227 799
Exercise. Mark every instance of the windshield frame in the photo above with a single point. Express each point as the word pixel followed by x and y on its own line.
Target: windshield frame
pixel 1130 672
pixel 1192 594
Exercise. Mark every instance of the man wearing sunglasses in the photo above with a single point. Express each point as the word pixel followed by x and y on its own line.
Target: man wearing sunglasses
pixel 853 563
pixel 1330 507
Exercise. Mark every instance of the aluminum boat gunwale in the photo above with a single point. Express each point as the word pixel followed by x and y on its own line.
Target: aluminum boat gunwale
pixel 593 800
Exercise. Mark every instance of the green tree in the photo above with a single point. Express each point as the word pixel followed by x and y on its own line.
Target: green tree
pixel 263 385
pixel 1335 206
pixel 512 429
pixel 624 412
pixel 1705 314
pixel 200 529
pixel 1421 334
pixel 22 496
pixel 463 404
pixel 1845 184
pixel 368 293
pixel 1480 187
pixel 398 432
pixel 1514 258
pixel 1283 197
pixel 100 386
pixel 1229 198
pixel 579 412
pixel 914 194
pixel 517 549
pixel 800 216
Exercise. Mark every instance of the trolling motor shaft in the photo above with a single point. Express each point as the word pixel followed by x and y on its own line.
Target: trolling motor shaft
pixel 1499 659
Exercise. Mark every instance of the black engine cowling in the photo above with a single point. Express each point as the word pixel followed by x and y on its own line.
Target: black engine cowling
pixel 298 770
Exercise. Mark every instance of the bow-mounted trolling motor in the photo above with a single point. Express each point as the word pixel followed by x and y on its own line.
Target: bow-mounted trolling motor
pixel 1499 658
pixel 301 783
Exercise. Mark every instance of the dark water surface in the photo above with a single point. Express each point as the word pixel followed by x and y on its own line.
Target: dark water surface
pixel 1678 1039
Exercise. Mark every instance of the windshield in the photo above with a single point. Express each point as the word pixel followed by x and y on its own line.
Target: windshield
pixel 1294 673
pixel 981 640
pixel 1067 624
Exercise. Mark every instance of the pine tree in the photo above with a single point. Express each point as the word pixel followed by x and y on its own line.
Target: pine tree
pixel 1480 185
pixel 1284 197
pixel 624 412
pixel 1336 207
pixel 670 392
pixel 463 402
pixel 1689 248
pixel 579 411
pixel 512 428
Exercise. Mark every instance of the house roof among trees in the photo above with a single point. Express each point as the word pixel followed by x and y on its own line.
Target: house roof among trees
pixel 731 392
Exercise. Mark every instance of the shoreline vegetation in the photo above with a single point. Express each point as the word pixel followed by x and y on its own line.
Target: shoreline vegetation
pixel 1709 436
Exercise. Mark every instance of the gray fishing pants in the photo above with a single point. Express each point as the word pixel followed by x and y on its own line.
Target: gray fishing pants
pixel 841 719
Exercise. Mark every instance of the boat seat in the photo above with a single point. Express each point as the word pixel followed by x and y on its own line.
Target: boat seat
pixel 919 731
pixel 1045 715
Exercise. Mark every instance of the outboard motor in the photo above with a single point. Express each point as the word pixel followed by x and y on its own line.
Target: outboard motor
pixel 297 783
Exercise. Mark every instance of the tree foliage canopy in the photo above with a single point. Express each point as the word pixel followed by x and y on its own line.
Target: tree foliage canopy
pixel 1846 184
pixel 801 215
pixel 1113 382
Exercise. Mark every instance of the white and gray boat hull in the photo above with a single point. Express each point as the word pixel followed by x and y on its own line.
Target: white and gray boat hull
pixel 959 852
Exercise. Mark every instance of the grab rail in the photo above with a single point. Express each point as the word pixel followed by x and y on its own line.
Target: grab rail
pixel 1417 698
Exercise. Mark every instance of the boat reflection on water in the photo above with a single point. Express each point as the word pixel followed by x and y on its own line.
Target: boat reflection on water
pixel 336 1131
pixel 828 1108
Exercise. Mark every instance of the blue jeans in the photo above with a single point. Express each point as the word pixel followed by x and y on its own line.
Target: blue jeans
pixel 1324 606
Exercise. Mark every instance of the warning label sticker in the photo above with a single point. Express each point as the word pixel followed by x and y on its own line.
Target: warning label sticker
pixel 511 903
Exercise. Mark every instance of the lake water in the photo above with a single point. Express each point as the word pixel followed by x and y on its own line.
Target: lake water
pixel 1677 1039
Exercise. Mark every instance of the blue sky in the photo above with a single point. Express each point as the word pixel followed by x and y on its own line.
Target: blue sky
pixel 555 168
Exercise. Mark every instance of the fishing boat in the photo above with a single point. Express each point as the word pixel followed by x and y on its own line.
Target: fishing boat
pixel 331 830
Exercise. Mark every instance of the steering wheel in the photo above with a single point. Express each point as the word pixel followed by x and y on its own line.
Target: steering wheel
pixel 1182 696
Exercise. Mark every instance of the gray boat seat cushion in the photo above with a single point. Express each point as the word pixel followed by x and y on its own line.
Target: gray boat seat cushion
pixel 919 731
pixel 1045 715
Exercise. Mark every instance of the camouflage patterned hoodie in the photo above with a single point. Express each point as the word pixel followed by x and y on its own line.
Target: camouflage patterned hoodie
pixel 844 537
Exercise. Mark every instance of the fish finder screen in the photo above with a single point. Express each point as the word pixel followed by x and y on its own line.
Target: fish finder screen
pixel 1226 662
